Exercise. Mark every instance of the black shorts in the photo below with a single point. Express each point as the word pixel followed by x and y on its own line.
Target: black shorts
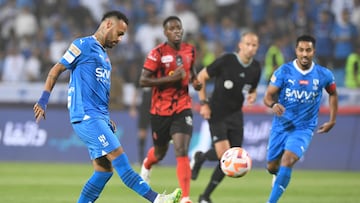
pixel 230 128
pixel 163 127
pixel 144 114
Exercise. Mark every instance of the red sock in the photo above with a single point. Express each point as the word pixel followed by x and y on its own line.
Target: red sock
pixel 183 172
pixel 150 159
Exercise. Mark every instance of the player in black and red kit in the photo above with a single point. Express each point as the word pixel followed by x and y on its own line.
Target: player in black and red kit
pixel 168 69
pixel 236 77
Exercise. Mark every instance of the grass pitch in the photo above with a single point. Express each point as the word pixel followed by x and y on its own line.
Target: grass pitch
pixel 62 183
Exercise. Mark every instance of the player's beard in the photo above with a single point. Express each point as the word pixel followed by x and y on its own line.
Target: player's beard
pixel 110 44
pixel 305 62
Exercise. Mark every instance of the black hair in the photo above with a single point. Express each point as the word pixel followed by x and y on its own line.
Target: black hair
pixel 170 18
pixel 306 38
pixel 117 14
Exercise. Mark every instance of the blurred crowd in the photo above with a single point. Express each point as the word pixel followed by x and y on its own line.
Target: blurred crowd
pixel 35 33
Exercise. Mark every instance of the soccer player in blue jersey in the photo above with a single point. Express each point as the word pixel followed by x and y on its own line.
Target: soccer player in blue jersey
pixel 88 101
pixel 294 95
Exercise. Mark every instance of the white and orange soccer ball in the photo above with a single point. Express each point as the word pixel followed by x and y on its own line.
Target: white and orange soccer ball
pixel 235 162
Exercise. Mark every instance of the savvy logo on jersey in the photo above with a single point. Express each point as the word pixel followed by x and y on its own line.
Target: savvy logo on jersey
pixel 299 95
pixel 102 74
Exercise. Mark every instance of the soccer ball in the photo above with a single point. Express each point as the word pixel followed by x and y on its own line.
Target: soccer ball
pixel 235 162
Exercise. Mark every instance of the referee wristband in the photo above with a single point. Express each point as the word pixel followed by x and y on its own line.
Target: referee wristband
pixel 44 99
pixel 273 104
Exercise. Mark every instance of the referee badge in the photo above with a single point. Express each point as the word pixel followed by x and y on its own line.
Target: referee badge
pixel 228 84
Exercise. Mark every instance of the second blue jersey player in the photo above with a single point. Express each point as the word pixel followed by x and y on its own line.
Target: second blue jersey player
pixel 294 95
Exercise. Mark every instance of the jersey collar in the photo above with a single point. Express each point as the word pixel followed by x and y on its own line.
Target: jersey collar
pixel 241 62
pixel 97 41
pixel 304 72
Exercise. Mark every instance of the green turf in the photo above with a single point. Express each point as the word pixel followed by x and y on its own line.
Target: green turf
pixel 61 183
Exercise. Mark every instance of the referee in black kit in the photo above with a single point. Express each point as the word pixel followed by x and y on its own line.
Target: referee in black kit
pixel 236 76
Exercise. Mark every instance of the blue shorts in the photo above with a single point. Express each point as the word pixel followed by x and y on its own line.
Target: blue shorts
pixel 98 136
pixel 296 141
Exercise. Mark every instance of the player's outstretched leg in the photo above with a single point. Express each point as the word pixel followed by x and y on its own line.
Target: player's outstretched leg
pixel 133 180
pixel 203 199
pixel 215 180
pixel 145 173
pixel 199 158
pixel 196 162
pixel 281 182
pixel 147 164
pixel 94 186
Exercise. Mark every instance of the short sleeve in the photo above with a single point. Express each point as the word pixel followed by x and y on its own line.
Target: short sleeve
pixel 277 77
pixel 72 53
pixel 152 60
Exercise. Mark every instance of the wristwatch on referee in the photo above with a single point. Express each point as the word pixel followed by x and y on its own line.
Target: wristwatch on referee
pixel 204 101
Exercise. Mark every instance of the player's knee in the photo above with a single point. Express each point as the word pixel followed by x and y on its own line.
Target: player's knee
pixel 272 168
pixel 289 159
pixel 103 164
pixel 272 171
pixel 160 152
pixel 181 151
pixel 160 156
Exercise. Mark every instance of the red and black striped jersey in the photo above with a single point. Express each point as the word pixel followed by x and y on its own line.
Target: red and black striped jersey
pixel 171 98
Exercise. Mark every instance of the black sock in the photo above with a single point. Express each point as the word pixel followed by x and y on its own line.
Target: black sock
pixel 215 180
pixel 211 155
pixel 141 147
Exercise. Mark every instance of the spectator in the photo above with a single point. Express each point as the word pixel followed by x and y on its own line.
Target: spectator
pixel 266 32
pixel 209 30
pixel 322 33
pixel 338 6
pixel 205 8
pixel 258 12
pixel 14 63
pixel 279 10
pixel 352 69
pixel 8 13
pixel 129 52
pixel 190 20
pixel 355 15
pixel 300 20
pixel 148 33
pixel 274 57
pixel 125 6
pixel 25 23
pixel 344 36
pixel 32 66
pixel 54 24
pixel 229 34
pixel 316 7
pixel 228 8
pixel 57 47
pixel 143 10
pixel 96 8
